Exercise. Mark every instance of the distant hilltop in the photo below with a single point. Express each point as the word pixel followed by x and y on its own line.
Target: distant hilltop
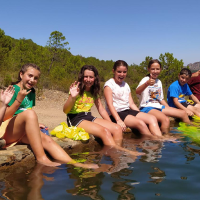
pixel 194 66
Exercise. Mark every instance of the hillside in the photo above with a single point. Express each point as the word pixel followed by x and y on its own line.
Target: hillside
pixel 194 66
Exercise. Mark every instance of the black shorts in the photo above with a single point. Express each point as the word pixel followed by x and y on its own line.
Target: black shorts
pixel 76 119
pixel 186 104
pixel 123 114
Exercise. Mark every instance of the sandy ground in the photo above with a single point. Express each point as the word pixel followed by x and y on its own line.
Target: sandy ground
pixel 49 108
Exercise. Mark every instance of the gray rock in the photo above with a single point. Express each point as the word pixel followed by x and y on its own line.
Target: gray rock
pixel 16 154
pixel 2 143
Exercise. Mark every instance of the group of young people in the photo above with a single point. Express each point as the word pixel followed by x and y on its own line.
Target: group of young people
pixel 20 122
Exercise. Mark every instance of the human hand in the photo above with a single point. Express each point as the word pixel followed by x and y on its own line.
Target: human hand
pixel 22 93
pixel 189 112
pixel 151 81
pixel 42 126
pixel 74 89
pixel 7 94
pixel 122 124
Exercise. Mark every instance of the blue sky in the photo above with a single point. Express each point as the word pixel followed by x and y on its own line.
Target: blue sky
pixel 109 29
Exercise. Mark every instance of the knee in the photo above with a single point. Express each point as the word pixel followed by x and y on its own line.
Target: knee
pixel 30 114
pixel 141 124
pixel 117 131
pixel 165 121
pixel 152 119
pixel 46 139
pixel 183 114
pixel 105 132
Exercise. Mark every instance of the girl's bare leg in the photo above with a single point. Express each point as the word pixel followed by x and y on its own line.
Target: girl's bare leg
pixel 114 129
pixel 178 113
pixel 25 125
pixel 162 118
pixel 105 135
pixel 58 153
pixel 98 131
pixel 134 122
pixel 152 123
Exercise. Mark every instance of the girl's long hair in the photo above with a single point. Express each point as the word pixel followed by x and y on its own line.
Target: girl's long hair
pixel 95 89
pixel 24 69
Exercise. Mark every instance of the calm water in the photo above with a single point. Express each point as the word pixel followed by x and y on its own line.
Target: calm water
pixel 167 171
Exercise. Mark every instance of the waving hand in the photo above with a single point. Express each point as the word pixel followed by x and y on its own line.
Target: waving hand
pixel 7 94
pixel 74 89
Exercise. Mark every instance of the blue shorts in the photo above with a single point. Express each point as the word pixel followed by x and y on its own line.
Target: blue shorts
pixel 147 109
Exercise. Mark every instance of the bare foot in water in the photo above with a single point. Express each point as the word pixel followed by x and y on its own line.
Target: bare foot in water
pixel 170 138
pixel 87 166
pixel 109 150
pixel 47 162
pixel 136 153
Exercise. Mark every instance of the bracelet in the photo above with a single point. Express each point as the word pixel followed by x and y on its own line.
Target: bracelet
pixel 18 101
pixel 146 83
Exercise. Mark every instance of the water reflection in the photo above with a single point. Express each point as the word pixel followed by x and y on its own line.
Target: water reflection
pixel 153 150
pixel 89 182
pixel 118 166
pixel 87 186
pixel 120 176
pixel 21 185
pixel 15 186
pixel 122 187
pixel 35 181
pixel 157 176
pixel 27 184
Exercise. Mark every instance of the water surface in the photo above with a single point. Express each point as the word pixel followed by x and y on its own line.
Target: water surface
pixel 167 171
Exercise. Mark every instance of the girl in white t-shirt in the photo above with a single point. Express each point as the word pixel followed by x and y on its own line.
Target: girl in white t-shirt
pixel 152 101
pixel 120 105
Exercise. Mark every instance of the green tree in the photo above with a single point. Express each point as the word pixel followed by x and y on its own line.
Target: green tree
pixel 171 68
pixel 5 47
pixel 144 64
pixel 74 65
pixel 56 45
pixel 137 72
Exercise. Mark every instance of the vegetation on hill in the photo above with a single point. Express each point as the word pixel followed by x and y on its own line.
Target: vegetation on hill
pixel 60 68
